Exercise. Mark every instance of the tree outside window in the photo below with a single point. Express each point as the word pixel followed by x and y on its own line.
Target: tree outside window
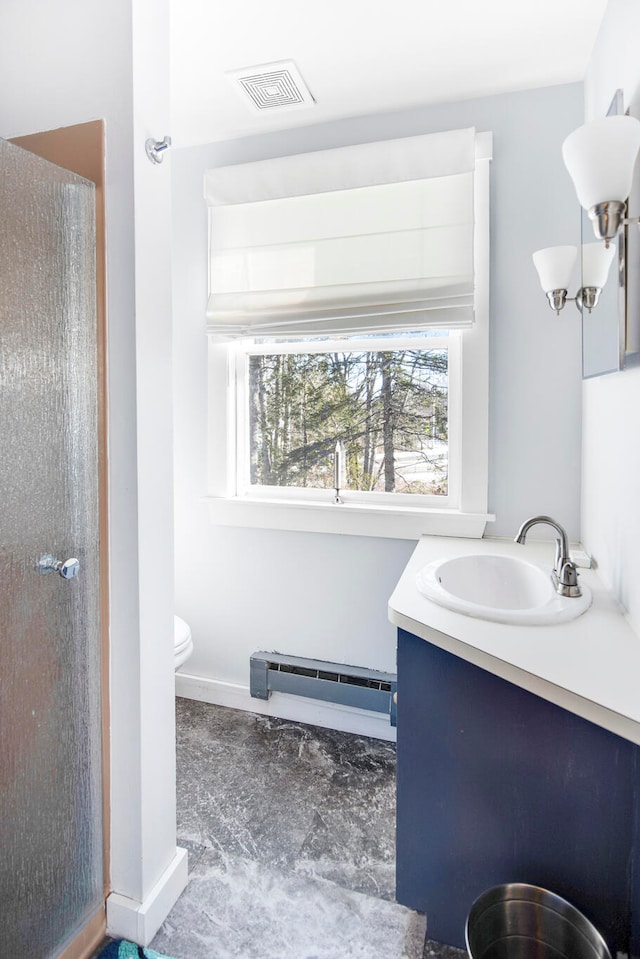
pixel 388 407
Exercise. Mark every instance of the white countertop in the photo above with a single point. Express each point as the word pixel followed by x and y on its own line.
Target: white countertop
pixel 590 666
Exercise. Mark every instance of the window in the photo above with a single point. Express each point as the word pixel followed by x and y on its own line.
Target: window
pixel 386 400
pixel 356 316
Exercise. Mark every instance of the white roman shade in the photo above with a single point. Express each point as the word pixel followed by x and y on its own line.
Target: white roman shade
pixel 376 237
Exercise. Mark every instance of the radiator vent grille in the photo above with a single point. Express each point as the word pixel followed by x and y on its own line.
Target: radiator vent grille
pixel 363 681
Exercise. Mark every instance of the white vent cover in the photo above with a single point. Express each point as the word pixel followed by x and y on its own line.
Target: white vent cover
pixel 272 86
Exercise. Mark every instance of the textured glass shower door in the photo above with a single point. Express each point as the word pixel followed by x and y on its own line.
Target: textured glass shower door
pixel 51 877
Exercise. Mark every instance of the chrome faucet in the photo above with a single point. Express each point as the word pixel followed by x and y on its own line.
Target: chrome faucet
pixel 565 574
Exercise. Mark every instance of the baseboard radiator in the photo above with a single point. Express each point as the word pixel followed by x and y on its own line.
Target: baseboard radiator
pixel 330 682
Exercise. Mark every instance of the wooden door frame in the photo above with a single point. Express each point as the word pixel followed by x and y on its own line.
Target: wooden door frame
pixel 81 149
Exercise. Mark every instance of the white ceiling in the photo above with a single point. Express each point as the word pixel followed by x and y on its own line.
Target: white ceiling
pixel 367 56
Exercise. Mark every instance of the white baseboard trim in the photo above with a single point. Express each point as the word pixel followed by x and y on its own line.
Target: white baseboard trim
pixel 139 921
pixel 362 722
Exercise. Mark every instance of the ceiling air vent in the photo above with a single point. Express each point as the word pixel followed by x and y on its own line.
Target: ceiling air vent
pixel 273 86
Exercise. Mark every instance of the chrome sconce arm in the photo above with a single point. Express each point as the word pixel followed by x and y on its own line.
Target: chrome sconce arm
pixel 585 299
pixel 557 299
pixel 607 218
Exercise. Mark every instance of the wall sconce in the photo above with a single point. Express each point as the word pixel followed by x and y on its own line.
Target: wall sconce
pixel 600 157
pixel 555 266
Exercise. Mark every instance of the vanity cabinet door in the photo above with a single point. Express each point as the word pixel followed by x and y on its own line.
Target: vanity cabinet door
pixel 496 785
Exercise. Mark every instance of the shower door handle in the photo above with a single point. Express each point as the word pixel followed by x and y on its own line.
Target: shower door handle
pixel 68 569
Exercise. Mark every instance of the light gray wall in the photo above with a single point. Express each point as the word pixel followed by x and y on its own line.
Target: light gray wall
pixel 325 596
pixel 611 506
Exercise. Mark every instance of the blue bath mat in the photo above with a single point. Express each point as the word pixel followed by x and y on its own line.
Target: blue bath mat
pixel 121 949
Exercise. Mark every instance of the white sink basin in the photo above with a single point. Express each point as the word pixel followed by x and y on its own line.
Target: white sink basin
pixel 504 589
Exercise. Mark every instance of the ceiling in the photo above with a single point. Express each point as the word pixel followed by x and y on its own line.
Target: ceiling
pixel 366 56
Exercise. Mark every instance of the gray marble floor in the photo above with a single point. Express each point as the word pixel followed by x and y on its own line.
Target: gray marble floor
pixel 290 832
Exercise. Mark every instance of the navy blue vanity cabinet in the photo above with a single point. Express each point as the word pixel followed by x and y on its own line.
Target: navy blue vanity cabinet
pixel 498 785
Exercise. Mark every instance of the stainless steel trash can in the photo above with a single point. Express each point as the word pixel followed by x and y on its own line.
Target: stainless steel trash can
pixel 518 921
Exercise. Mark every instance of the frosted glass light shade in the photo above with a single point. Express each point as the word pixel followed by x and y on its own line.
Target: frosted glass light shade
pixel 600 157
pixel 596 262
pixel 555 266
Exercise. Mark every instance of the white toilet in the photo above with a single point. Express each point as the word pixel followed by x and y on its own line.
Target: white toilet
pixel 183 642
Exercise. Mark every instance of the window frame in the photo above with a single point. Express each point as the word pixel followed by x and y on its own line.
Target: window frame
pixel 238 376
pixel 288 510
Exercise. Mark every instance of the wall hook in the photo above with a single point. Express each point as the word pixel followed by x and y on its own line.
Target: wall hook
pixel 155 148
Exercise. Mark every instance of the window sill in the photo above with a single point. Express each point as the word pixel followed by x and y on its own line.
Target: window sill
pixel 398 522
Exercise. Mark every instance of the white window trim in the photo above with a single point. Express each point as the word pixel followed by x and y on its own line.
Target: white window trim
pixel 282 511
